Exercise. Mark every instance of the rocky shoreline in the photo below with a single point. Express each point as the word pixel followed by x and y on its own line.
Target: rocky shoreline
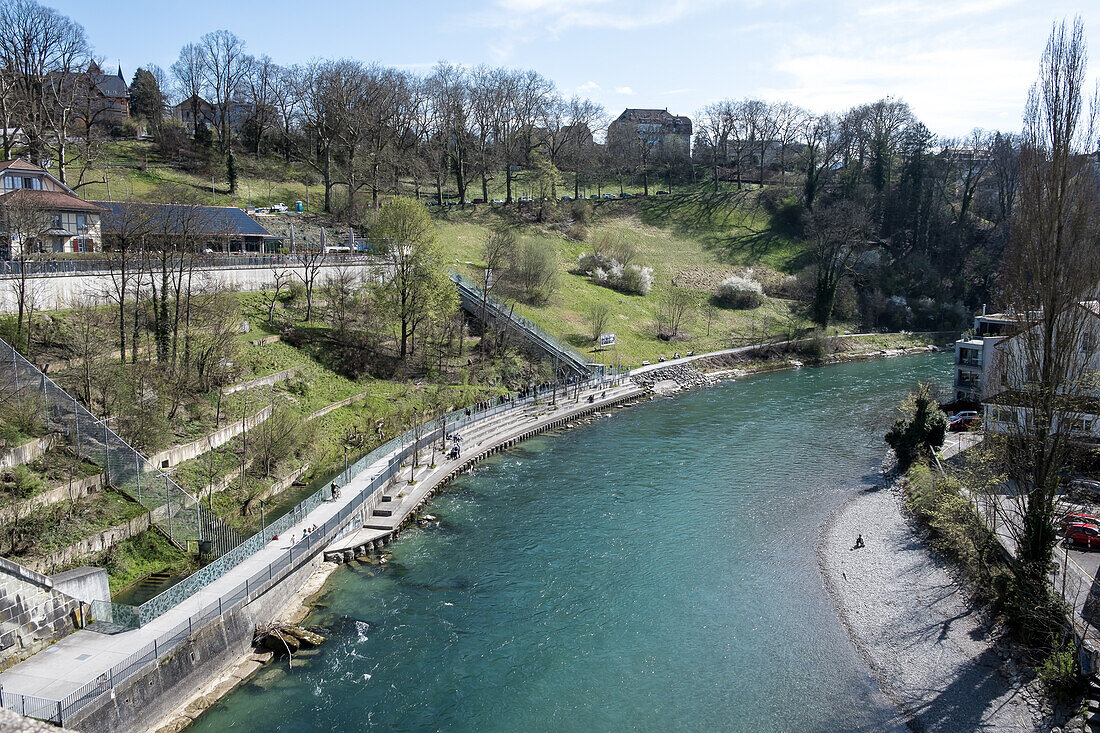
pixel 944 663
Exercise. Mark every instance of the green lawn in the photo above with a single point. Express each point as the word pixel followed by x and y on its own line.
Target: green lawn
pixel 695 252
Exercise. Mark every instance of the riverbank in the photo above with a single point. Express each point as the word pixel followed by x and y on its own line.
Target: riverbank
pixel 944 663
pixel 302 603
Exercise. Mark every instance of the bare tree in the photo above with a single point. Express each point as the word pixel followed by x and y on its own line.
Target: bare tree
pixel 311 262
pixel 1052 273
pixel 599 316
pixel 672 309
pixel 280 280
pixel 224 66
pixel 25 223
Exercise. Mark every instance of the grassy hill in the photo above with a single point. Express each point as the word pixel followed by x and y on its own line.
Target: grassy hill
pixel 692 239
pixel 691 242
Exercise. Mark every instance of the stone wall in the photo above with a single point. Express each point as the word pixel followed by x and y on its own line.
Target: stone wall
pixel 27 452
pixel 91 545
pixel 264 381
pixel 180 453
pixel 80 488
pixel 33 614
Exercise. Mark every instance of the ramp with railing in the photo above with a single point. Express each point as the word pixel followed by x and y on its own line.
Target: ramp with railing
pixel 495 312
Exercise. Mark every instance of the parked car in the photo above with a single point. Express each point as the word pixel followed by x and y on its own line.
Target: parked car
pixel 566 198
pixel 1083 534
pixel 525 199
pixel 1078 518
pixel 594 196
pixel 478 201
pixel 662 193
pixel 280 208
pixel 964 420
pixel 498 201
pixel 609 195
pixel 627 196
pixel 961 415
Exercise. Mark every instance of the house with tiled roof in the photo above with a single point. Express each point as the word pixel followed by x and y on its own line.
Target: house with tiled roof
pixel 40 214
pixel 109 97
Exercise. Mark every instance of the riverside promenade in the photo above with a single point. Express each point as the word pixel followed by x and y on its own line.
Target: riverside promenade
pixel 76 673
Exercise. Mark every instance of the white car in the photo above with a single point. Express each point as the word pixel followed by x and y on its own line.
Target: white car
pixel 281 208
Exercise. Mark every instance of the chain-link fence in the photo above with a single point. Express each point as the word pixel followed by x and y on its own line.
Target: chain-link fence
pixel 178 514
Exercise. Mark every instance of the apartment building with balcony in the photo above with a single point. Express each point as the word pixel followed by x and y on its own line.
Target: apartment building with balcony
pixel 973 356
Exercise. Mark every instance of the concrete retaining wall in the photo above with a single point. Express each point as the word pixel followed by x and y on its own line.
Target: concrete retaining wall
pixel 33 614
pixel 336 406
pixel 219 437
pixel 264 381
pixel 84 584
pixel 80 488
pixel 91 545
pixel 28 452
pixel 163 687
pixel 61 291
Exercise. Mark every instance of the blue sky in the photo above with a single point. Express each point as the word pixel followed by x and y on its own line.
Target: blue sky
pixel 959 63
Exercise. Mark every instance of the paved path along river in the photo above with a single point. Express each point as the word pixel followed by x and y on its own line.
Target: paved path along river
pixel 653 570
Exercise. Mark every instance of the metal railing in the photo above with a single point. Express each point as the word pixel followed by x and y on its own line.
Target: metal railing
pixel 474 300
pixel 178 514
pixel 165 645
pixel 98 265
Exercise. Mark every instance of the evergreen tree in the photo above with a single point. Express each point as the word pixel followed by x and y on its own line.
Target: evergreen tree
pixel 146 97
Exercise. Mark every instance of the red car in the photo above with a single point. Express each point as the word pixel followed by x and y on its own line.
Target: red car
pixel 1078 518
pixel 963 424
pixel 1083 534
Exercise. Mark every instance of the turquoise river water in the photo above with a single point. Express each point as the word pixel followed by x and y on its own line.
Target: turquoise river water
pixel 654 570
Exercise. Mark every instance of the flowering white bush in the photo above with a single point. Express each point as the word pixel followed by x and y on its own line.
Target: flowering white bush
pixel 740 292
pixel 608 271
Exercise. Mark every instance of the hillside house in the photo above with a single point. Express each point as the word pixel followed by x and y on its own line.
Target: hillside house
pixel 40 214
pixel 667 134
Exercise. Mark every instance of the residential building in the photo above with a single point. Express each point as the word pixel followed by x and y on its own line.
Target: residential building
pixel 972 358
pixel 1009 372
pixel 40 214
pixel 668 134
pixel 109 98
pixel 185 111
pixel 206 228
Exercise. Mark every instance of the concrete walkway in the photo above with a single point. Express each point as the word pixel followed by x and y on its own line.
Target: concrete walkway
pixel 84 656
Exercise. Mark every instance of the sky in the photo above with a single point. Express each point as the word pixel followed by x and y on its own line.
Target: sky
pixel 960 64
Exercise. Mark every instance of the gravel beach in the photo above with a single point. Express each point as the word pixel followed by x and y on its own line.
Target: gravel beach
pixel 933 654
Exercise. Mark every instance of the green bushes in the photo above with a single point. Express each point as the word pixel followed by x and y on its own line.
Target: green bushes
pixel 957 530
pixel 921 428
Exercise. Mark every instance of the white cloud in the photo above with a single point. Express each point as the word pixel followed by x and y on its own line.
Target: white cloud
pixel 556 16
pixel 624 90
pixel 588 88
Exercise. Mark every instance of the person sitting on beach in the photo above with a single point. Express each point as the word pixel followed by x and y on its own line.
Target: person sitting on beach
pixel 859 542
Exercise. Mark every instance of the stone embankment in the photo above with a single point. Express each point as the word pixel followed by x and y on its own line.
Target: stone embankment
pixel 672 378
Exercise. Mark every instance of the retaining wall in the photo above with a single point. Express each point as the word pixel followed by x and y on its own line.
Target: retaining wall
pixel 79 488
pixel 219 437
pixel 336 406
pixel 28 452
pixel 33 614
pixel 61 291
pixel 151 696
pixel 96 543
pixel 264 381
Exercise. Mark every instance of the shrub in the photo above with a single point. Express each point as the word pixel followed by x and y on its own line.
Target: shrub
pixel 815 346
pixel 1058 672
pixel 610 272
pixel 739 292
pixel 922 427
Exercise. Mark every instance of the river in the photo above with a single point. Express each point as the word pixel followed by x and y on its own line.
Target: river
pixel 654 570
